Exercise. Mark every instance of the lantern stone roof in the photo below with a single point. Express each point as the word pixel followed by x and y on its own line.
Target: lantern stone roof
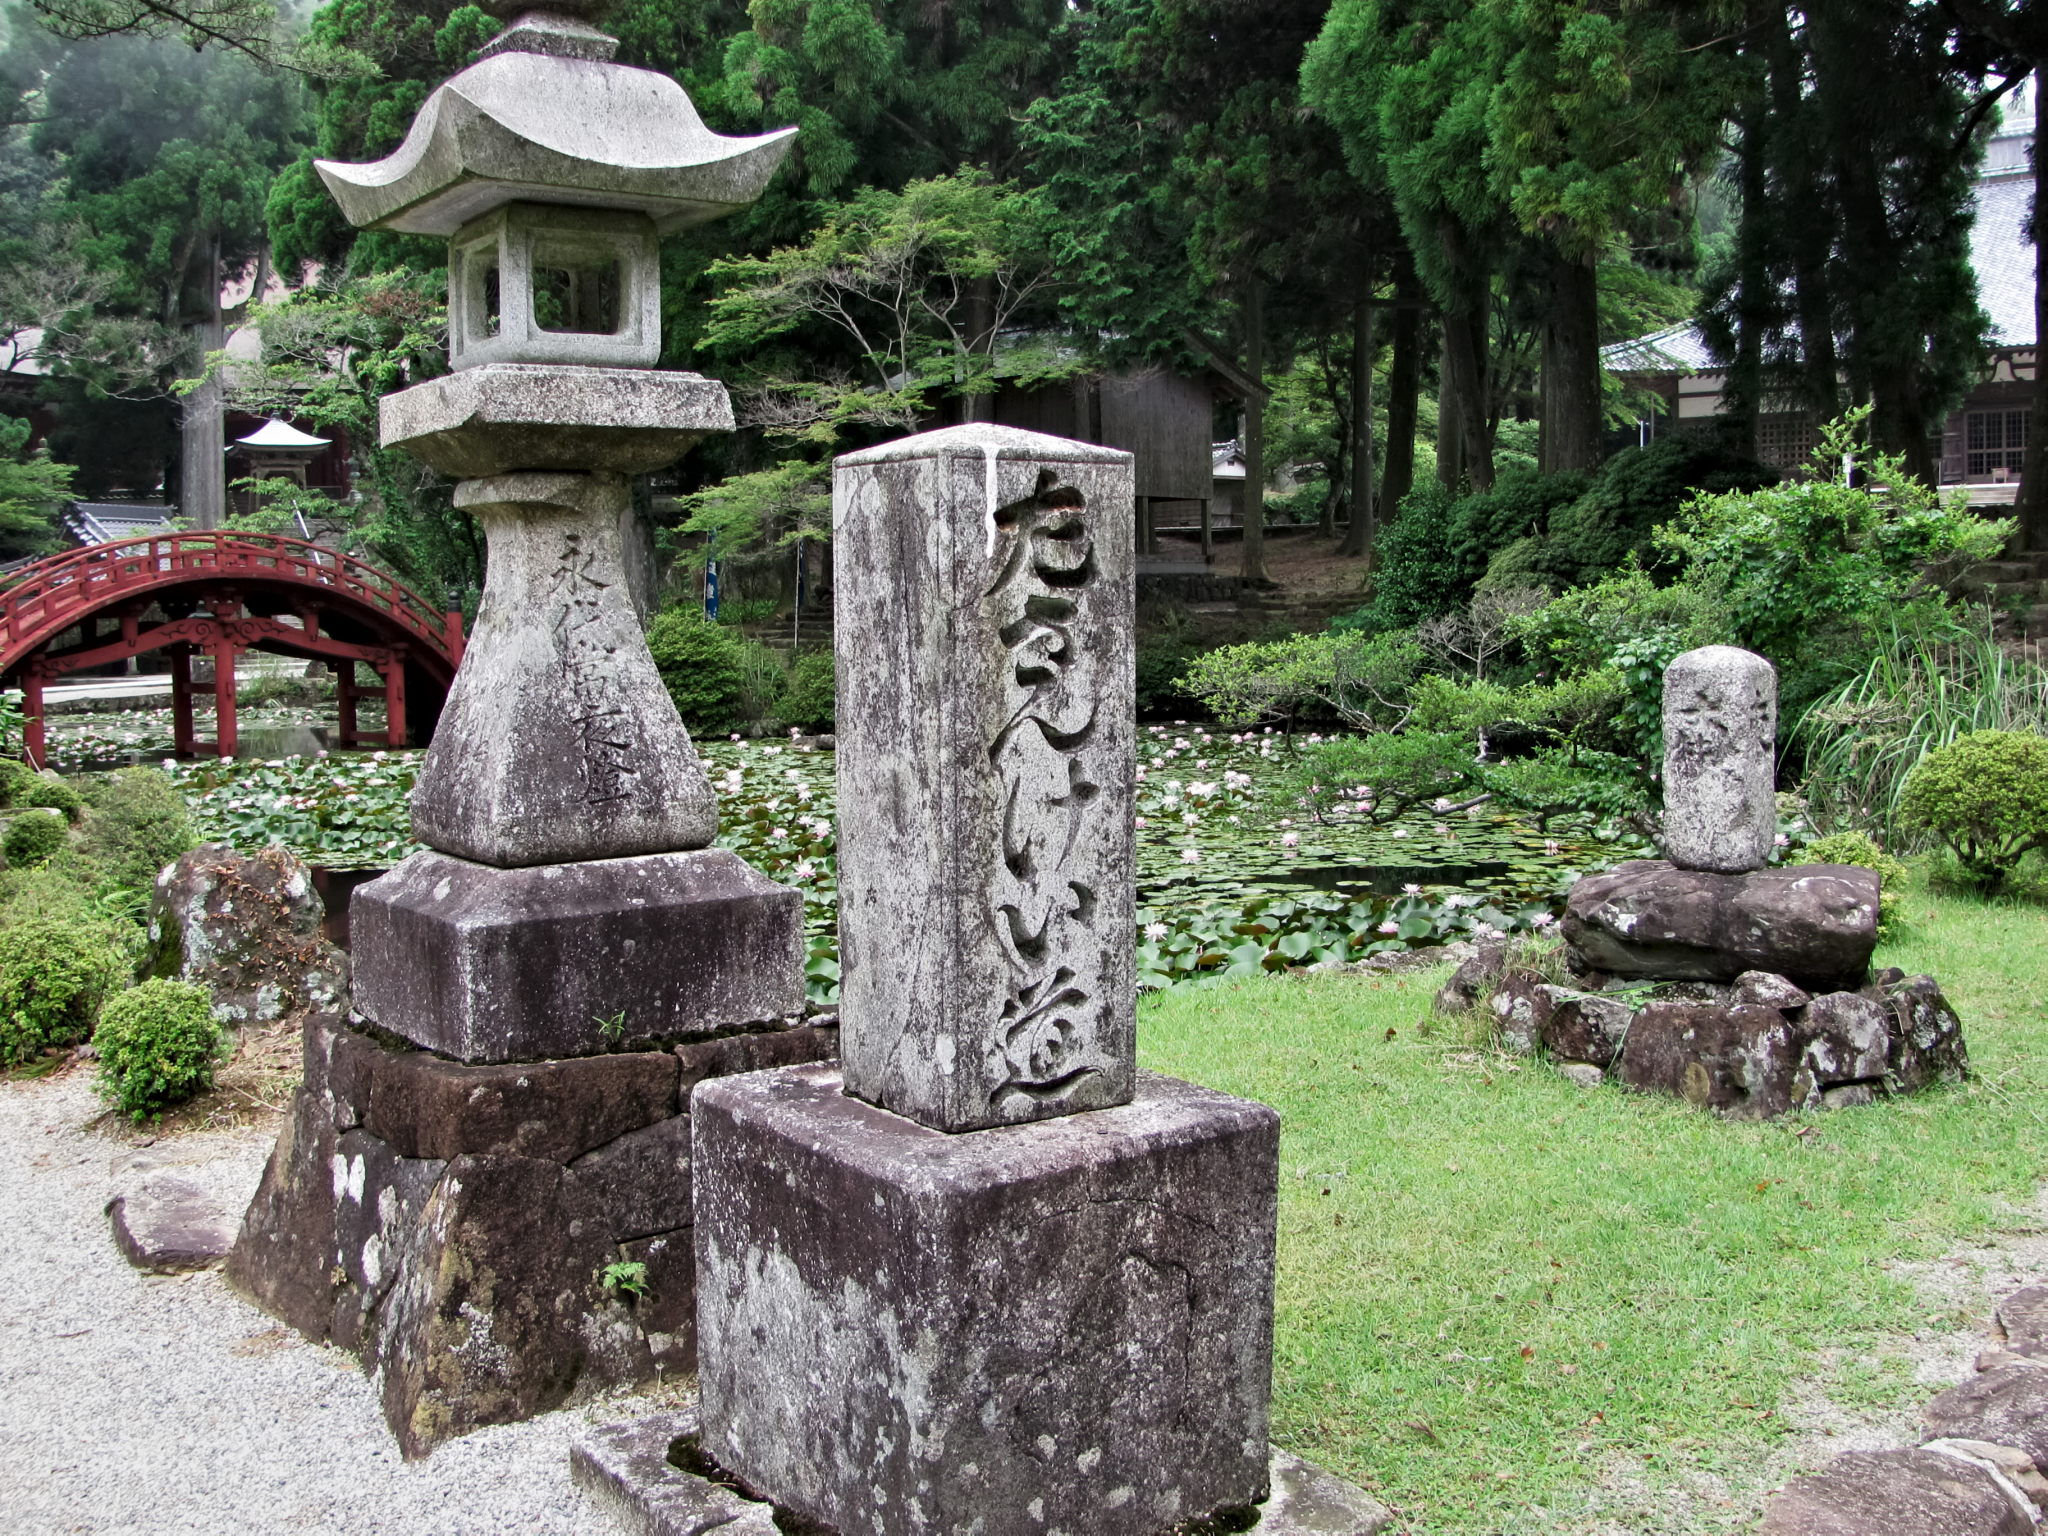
pixel 546 128
pixel 274 435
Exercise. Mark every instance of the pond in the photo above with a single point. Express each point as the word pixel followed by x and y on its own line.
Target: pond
pixel 1228 882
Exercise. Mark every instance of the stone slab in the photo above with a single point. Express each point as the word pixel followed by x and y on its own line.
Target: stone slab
pixel 2023 1320
pixel 496 965
pixel 503 418
pixel 627 1467
pixel 1720 759
pixel 2007 1406
pixel 559 742
pixel 731 1055
pixel 642 1180
pixel 429 1107
pixel 1062 1325
pixel 1740 1062
pixel 1815 924
pixel 984 601
pixel 167 1225
pixel 1895 1493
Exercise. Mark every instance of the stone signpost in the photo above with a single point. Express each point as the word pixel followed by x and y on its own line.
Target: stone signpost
pixel 991 1278
pixel 505 1118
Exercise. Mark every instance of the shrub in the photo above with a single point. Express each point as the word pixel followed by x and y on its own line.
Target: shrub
pixel 1861 850
pixel 34 838
pixel 1985 795
pixel 21 786
pixel 137 825
pixel 1163 661
pixel 810 701
pixel 703 667
pixel 764 678
pixel 1362 680
pixel 158 1045
pixel 1386 773
pixel 53 977
pixel 1558 783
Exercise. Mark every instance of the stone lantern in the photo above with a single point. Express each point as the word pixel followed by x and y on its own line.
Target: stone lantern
pixel 506 1117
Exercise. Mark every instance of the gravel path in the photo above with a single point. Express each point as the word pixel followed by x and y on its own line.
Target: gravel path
pixel 132 1404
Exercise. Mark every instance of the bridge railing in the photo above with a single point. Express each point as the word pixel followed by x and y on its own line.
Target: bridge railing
pixel 46 597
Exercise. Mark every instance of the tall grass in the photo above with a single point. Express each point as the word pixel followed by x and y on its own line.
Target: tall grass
pixel 1921 691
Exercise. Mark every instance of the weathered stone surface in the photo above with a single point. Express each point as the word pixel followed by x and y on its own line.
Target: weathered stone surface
pixel 1063 1325
pixel 1848 1040
pixel 1895 1493
pixel 2023 1322
pixel 1815 924
pixel 1720 750
pixel 985 594
pixel 284 1255
pixel 667 1310
pixel 757 1052
pixel 1737 1061
pixel 246 926
pixel 558 743
pixel 640 1470
pixel 551 32
pixel 2008 1462
pixel 498 132
pixel 642 1180
pixel 1762 989
pixel 378 1197
pixel 502 1315
pixel 493 263
pixel 167 1225
pixel 2008 1406
pixel 1586 1027
pixel 521 418
pixel 1848 1096
pixel 1521 1007
pixel 507 964
pixel 558 1110
pixel 1927 1042
pixel 1582 1074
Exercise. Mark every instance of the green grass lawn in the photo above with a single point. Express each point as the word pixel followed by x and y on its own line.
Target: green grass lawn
pixel 1492 1282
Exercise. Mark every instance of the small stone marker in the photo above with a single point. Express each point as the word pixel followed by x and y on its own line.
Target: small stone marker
pixel 168 1225
pixel 1720 745
pixel 986 768
pixel 1057 1318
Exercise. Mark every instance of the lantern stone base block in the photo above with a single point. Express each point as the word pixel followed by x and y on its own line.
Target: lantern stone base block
pixel 494 965
pixel 504 417
pixel 1057 1326
pixel 640 1471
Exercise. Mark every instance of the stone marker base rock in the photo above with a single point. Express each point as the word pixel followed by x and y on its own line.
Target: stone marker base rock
pixel 1057 1326
pixel 451 1224
pixel 1753 1049
pixel 641 1472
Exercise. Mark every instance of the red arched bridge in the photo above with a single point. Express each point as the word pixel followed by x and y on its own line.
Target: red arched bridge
pixel 217 595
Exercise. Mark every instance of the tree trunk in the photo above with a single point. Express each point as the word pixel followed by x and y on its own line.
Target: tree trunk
pixel 1253 566
pixel 1360 536
pixel 1572 408
pixel 1450 437
pixel 1465 353
pixel 981 341
pixel 202 464
pixel 1404 391
pixel 1808 223
pixel 1753 294
pixel 2031 505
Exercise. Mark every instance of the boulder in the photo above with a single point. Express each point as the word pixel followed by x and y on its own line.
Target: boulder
pixel 1848 1042
pixel 1739 1062
pixel 1586 1027
pixel 1927 1038
pixel 2023 1322
pixel 1814 924
pixel 1474 977
pixel 168 1225
pixel 247 927
pixel 1520 1005
pixel 1765 990
pixel 1896 1493
pixel 2008 1406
